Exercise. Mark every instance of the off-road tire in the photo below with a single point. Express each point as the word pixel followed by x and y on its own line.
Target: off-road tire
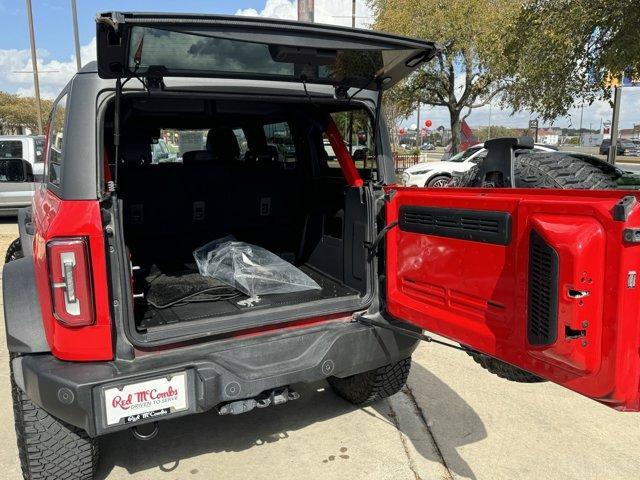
pixel 50 449
pixel 14 252
pixel 374 385
pixel 539 170
pixel 504 370
pixel 535 170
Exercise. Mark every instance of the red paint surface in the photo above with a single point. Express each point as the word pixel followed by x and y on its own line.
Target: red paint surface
pixel 347 165
pixel 55 218
pixel 476 293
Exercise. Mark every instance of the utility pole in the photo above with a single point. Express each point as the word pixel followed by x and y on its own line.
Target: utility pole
pixel 34 63
pixel 353 13
pixel 611 157
pixel 305 10
pixel 581 112
pixel 76 36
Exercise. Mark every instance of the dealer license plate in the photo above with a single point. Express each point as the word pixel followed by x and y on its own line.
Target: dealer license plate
pixel 146 400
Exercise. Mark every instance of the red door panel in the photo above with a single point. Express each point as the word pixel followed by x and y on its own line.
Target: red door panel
pixel 541 279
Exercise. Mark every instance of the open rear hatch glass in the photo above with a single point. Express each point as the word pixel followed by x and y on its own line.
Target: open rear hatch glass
pixel 179 45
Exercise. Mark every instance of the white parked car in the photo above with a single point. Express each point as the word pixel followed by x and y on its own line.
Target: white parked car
pixel 27 147
pixel 438 174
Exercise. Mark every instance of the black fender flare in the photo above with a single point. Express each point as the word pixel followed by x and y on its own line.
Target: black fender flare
pixel 22 314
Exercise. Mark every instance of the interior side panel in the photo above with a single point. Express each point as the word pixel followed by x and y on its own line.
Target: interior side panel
pixel 540 279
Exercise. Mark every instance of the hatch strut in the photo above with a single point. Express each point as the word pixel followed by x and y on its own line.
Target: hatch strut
pixel 376 120
pixel 403 331
pixel 116 120
pixel 116 134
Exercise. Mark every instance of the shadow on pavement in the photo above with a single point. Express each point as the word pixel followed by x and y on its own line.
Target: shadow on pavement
pixel 451 420
pixel 209 433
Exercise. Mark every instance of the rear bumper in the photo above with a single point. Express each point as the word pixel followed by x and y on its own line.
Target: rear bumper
pixel 216 373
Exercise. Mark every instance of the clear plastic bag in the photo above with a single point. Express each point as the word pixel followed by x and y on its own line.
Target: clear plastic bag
pixel 252 270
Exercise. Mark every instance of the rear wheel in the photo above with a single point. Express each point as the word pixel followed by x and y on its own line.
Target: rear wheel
pixel 50 449
pixel 374 385
pixel 538 170
pixel 14 252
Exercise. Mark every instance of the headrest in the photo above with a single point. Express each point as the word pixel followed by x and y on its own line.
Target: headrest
pixel 269 154
pixel 224 143
pixel 198 157
pixel 136 153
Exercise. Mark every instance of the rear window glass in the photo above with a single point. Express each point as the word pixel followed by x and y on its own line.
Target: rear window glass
pixel 39 144
pixel 11 149
pixel 241 138
pixel 274 144
pixel 356 129
pixel 56 141
pixel 189 53
pixel 280 142
pixel 189 141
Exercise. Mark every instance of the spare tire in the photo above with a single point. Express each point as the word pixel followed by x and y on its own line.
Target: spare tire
pixel 548 170
pixel 539 170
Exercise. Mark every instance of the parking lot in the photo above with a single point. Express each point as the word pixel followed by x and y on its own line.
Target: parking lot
pixel 453 421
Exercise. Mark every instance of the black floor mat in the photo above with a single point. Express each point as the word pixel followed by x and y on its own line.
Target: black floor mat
pixel 163 286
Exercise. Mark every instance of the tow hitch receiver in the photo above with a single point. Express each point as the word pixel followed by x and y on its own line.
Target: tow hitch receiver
pixel 277 396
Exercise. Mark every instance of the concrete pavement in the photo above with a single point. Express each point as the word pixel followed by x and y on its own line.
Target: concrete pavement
pixel 454 420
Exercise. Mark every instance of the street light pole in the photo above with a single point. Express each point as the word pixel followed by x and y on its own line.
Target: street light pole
pixel 34 63
pixel 489 130
pixel 76 36
pixel 418 143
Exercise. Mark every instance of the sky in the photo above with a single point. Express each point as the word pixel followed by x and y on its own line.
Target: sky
pixel 56 59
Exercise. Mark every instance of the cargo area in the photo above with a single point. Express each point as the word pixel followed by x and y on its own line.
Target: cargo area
pixel 194 171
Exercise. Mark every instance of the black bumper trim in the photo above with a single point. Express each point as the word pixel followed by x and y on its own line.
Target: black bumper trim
pixel 242 368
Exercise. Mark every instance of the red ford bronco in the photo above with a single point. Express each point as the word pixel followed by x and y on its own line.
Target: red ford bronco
pixel 271 131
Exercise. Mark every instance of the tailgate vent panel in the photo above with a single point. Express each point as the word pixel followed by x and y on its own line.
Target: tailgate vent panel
pixel 542 321
pixel 484 226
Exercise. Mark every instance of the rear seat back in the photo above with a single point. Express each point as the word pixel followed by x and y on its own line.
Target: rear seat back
pixel 172 208
pixel 253 202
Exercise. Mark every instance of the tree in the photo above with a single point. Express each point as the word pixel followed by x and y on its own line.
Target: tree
pixel 482 133
pixel 562 52
pixel 16 111
pixel 472 70
pixel 395 108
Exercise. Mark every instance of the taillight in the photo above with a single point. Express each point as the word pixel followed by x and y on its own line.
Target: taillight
pixel 70 277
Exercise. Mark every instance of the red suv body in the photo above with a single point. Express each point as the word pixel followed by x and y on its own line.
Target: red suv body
pixel 544 280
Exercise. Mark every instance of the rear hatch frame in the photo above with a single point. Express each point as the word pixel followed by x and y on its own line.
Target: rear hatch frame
pixel 132 44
